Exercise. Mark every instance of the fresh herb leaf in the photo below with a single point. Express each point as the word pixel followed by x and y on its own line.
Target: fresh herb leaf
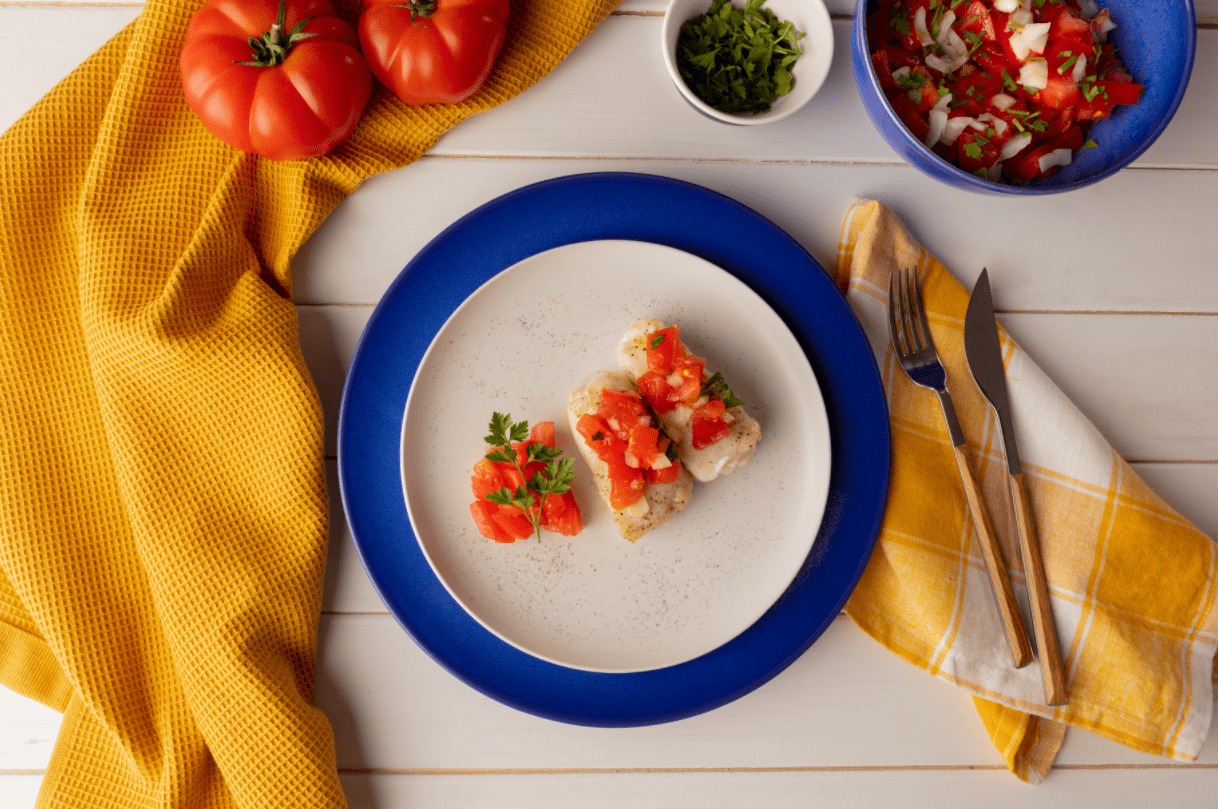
pixel 655 341
pixel 555 478
pixel 717 388
pixel 1089 144
pixel 738 60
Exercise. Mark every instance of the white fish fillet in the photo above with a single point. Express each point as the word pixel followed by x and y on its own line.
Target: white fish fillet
pixel 661 502
pixel 704 464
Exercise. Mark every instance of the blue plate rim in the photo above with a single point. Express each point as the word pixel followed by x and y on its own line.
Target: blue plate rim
pixel 585 207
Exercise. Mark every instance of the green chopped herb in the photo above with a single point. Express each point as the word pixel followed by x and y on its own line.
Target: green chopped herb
pixel 738 60
pixel 899 22
pixel 717 388
pixel 1066 65
pixel 972 150
pixel 655 341
pixel 1008 82
pixel 910 80
pixel 1089 144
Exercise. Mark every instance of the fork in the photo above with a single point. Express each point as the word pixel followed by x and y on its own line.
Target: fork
pixel 915 350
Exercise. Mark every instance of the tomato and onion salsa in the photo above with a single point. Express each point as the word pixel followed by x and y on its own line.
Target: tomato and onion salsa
pixel 516 497
pixel 675 378
pixel 624 434
pixel 1004 89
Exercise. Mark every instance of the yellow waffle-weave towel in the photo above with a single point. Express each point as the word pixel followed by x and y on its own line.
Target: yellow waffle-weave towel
pixel 1133 585
pixel 163 510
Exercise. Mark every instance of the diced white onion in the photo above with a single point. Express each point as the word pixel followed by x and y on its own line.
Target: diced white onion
pixel 1002 101
pixel 936 63
pixel 1057 157
pixel 994 172
pixel 1080 69
pixel 953 128
pixel 1015 145
pixel 1006 6
pixel 937 119
pixel 1106 25
pixel 920 27
pixel 630 460
pixel 1000 126
pixel 674 379
pixel 661 462
pixel 1019 46
pixel 944 102
pixel 614 425
pixel 701 400
pixel 1089 8
pixel 945 27
pixel 1036 35
pixel 1034 74
pixel 1020 18
pixel 727 417
pixel 1025 5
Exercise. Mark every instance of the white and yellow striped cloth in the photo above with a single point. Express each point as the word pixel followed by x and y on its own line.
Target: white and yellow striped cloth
pixel 1133 584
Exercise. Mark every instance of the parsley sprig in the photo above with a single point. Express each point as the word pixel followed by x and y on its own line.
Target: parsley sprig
pixel 556 478
pixel 738 60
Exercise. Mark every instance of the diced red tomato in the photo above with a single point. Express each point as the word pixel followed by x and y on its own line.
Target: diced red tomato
pixel 663 347
pixel 704 432
pixel 643 445
pixel 666 475
pixel 658 393
pixel 560 514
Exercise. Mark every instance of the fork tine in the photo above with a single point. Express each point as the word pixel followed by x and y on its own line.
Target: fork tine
pixel 920 311
pixel 912 339
pixel 894 326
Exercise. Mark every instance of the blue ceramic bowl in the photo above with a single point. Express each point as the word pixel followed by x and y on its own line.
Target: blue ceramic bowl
pixel 1156 39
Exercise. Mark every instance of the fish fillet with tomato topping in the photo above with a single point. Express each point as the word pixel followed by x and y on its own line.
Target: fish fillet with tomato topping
pixel 633 462
pixel 713 433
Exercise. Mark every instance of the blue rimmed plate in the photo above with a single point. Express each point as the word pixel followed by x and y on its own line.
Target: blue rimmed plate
pixel 529 222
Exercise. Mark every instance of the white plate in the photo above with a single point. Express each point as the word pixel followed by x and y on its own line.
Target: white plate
pixel 595 601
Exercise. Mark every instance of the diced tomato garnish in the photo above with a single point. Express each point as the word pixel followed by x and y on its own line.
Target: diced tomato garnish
pixel 663 348
pixel 908 114
pixel 976 20
pixel 483 512
pixel 626 484
pixel 622 405
pixel 666 475
pixel 560 514
pixel 643 444
pixel 704 432
pixel 656 390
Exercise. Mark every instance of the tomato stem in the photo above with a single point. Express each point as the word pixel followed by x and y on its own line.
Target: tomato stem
pixel 418 8
pixel 270 49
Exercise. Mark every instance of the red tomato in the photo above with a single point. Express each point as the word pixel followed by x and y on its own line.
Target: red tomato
pixel 299 105
pixel 644 445
pixel 666 475
pixel 657 392
pixel 704 432
pixel 484 513
pixel 560 514
pixel 663 347
pixel 433 51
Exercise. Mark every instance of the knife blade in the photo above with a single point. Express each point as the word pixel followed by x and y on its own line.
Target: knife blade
pixel 984 353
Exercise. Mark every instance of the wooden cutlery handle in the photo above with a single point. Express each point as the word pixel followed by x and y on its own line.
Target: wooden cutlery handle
pixel 995 564
pixel 1038 595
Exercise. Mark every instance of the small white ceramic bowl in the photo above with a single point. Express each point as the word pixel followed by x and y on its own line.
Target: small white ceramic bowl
pixel 810 70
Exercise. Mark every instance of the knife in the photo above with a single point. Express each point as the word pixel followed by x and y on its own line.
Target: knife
pixel 985 362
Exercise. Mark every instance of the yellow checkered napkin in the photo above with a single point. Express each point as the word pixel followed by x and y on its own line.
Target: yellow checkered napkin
pixel 163 505
pixel 1132 584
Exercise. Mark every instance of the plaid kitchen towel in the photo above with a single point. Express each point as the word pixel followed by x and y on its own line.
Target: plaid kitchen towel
pixel 1132 584
pixel 163 513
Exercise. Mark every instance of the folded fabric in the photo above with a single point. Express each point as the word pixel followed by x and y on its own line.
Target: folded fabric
pixel 1132 584
pixel 163 513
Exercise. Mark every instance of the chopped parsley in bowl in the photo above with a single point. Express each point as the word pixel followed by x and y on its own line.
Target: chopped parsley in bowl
pixel 747 62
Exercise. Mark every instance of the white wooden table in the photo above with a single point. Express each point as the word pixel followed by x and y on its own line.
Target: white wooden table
pixel 1113 289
